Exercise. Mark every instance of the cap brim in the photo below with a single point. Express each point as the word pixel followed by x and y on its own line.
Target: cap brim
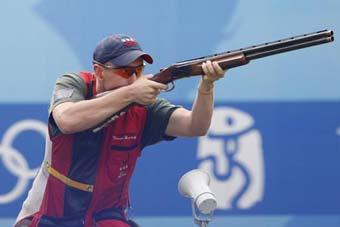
pixel 129 57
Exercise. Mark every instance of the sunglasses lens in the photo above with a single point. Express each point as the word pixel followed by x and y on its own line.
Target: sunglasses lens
pixel 128 72
pixel 125 73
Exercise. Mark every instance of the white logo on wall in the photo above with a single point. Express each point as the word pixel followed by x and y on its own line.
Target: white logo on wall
pixel 232 154
pixel 14 161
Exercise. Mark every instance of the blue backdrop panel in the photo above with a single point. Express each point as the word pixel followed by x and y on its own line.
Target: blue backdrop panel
pixel 298 145
pixel 297 142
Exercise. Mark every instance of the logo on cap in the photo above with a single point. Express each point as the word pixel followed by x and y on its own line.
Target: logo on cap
pixel 129 42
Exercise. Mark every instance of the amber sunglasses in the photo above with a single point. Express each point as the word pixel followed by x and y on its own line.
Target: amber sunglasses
pixel 125 71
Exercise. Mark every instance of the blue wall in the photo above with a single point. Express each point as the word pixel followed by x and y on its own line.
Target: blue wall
pixel 273 147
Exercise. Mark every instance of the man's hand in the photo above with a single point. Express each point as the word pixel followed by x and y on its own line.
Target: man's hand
pixel 145 91
pixel 212 72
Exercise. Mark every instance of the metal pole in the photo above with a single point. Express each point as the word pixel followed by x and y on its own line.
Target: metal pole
pixel 202 223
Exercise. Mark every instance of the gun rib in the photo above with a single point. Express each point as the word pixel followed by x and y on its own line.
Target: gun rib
pixel 270 48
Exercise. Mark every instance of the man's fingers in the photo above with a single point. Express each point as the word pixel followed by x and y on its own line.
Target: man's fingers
pixel 157 85
pixel 210 68
pixel 218 68
pixel 161 86
pixel 156 91
pixel 204 67
pixel 212 71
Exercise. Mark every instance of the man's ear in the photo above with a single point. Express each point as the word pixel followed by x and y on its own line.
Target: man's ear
pixel 98 71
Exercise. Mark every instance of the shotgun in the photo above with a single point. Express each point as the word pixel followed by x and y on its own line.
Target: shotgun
pixel 231 59
pixel 235 58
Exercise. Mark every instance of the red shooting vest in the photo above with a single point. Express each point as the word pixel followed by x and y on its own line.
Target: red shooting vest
pixel 105 159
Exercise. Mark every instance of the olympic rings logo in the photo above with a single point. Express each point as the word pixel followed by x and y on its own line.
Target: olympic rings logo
pixel 14 161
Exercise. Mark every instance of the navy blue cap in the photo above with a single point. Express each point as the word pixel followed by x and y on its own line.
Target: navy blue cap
pixel 120 50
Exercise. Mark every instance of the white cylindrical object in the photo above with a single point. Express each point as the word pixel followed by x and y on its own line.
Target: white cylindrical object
pixel 206 203
pixel 195 185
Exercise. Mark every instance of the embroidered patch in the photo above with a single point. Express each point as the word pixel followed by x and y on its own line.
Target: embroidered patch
pixel 63 93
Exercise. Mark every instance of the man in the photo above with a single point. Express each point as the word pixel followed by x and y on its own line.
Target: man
pixel 98 124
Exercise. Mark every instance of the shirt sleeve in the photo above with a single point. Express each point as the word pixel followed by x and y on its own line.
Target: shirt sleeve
pixel 68 88
pixel 158 117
